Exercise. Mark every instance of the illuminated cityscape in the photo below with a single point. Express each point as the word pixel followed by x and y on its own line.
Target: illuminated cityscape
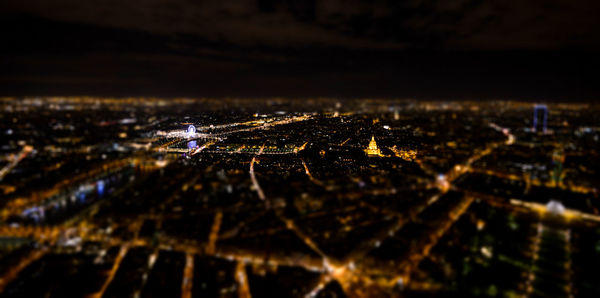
pixel 314 149
pixel 238 197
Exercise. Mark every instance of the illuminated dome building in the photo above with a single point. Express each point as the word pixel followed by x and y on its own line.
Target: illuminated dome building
pixel 372 150
pixel 555 207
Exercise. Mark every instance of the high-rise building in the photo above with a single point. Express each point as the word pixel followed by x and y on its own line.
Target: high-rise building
pixel 536 115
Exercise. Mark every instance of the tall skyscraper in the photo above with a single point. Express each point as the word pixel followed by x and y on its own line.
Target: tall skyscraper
pixel 536 121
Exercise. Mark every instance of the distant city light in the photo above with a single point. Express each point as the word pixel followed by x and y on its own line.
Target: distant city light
pixel 100 187
pixel 254 202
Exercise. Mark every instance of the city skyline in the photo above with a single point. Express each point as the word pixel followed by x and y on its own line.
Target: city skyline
pixel 145 197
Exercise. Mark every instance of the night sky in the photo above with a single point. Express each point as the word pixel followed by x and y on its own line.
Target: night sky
pixel 438 49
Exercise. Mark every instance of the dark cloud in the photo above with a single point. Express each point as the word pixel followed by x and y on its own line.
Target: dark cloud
pixel 415 48
pixel 238 22
pixel 461 24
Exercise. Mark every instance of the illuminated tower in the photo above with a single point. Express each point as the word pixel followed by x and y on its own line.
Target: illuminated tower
pixel 372 150
pixel 544 115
